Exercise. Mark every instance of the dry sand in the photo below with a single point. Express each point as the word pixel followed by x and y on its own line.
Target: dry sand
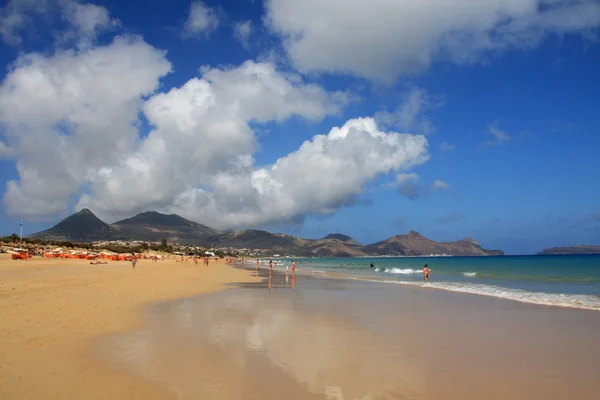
pixel 51 309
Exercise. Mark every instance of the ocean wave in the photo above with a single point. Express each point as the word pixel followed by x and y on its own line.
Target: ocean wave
pixel 470 274
pixel 581 301
pixel 588 302
pixel 404 271
pixel 538 278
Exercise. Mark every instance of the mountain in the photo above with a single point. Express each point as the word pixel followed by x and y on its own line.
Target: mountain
pixel 153 227
pixel 343 238
pixel 571 250
pixel 83 226
pixel 287 244
pixel 414 244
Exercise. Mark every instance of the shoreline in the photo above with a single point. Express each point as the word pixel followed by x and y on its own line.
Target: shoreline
pixel 544 299
pixel 53 309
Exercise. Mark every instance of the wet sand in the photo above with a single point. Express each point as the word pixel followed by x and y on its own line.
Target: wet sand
pixel 51 311
pixel 318 338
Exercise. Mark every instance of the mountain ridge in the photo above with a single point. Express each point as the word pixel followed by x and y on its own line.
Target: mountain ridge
pixel 153 226
pixel 83 226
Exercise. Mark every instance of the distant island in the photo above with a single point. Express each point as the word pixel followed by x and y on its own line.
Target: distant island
pixel 566 250
pixel 151 226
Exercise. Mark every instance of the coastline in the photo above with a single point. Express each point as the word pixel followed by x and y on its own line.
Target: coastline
pixel 571 281
pixel 52 309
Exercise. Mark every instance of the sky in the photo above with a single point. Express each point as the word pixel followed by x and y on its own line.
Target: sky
pixel 456 119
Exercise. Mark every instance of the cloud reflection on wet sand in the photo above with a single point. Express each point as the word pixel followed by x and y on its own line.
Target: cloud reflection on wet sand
pixel 243 344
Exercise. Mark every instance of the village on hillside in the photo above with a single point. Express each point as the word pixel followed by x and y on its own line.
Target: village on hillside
pixel 117 250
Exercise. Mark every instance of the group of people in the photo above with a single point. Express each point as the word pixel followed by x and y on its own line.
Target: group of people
pixel 205 261
pixel 286 274
pixel 271 266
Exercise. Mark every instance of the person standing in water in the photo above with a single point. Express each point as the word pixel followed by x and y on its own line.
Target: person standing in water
pixel 372 265
pixel 426 272
pixel 293 267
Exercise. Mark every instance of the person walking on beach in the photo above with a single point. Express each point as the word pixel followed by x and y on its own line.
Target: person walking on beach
pixel 270 266
pixel 426 272
pixel 293 267
pixel 133 262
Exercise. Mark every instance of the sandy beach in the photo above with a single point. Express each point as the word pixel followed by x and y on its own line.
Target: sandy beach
pixel 165 330
pixel 51 310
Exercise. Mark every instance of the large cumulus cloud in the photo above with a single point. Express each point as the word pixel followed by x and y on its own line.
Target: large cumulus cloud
pixel 325 173
pixel 66 116
pixel 71 122
pixel 381 39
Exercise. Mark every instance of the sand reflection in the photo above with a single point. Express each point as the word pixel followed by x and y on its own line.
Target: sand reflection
pixel 263 344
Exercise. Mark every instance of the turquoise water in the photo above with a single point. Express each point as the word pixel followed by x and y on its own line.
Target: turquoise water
pixel 570 281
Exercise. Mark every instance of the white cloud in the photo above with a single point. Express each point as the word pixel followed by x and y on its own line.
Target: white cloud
pixel 446 146
pixel 324 174
pixel 408 185
pixel 15 16
pixel 86 21
pixel 5 151
pixel 438 186
pixel 383 39
pixel 258 92
pixel 410 113
pixel 242 32
pixel 73 129
pixel 201 20
pixel 404 178
pixel 69 115
pixel 499 137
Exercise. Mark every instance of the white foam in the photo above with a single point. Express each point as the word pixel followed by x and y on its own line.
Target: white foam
pixel 469 273
pixel 405 271
pixel 581 301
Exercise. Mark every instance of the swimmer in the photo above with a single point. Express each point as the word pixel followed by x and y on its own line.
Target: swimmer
pixel 426 272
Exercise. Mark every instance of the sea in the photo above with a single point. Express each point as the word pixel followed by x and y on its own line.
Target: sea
pixel 556 280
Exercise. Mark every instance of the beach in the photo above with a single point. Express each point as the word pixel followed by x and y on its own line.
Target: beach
pixel 52 309
pixel 173 330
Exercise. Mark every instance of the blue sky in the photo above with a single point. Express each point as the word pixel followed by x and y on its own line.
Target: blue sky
pixel 484 126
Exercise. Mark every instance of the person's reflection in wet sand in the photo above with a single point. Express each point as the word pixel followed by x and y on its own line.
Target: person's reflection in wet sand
pixel 270 282
pixel 286 278
pixel 293 280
